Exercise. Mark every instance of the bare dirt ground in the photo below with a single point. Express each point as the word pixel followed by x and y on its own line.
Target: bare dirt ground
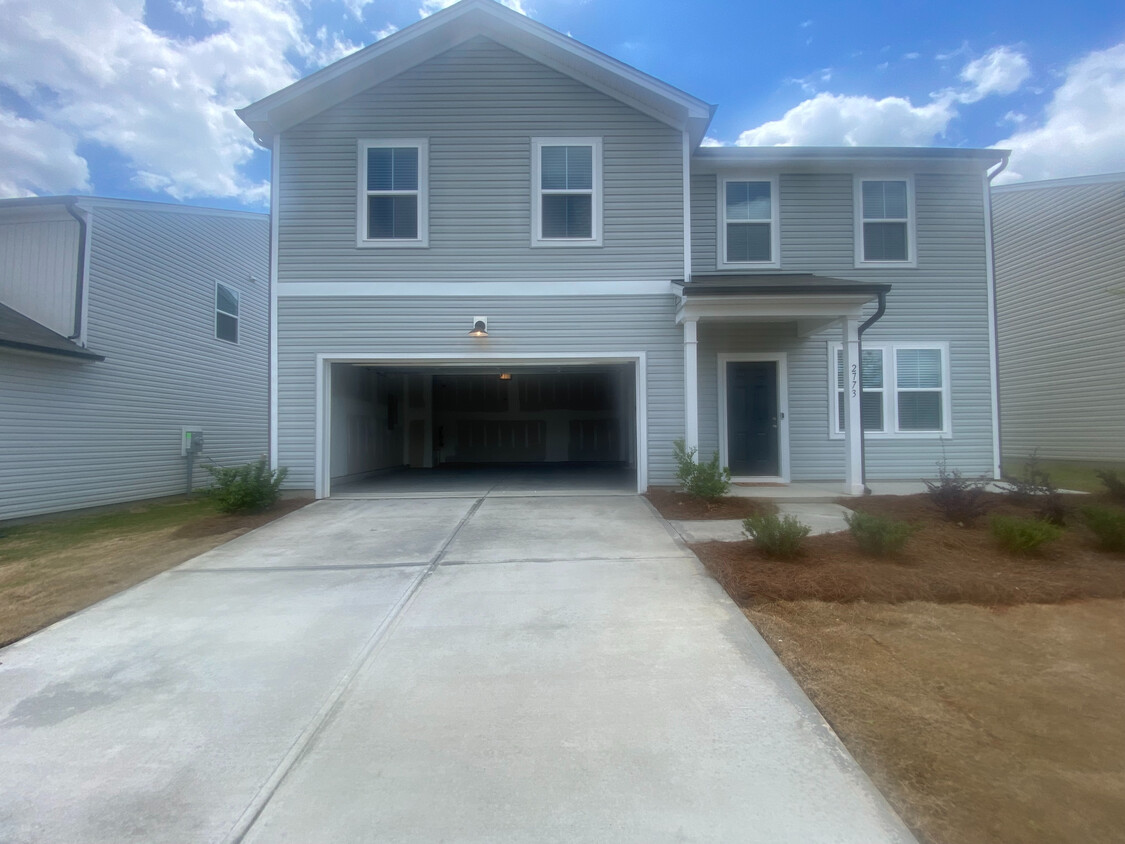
pixel 981 726
pixel 982 692
pixel 51 569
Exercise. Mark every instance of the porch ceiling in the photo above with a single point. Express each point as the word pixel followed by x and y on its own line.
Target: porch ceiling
pixel 774 297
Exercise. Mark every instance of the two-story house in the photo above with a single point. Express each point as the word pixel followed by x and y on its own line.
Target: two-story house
pixel 495 245
pixel 123 326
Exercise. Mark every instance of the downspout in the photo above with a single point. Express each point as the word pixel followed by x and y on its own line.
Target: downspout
pixel 993 324
pixel 880 309
pixel 80 280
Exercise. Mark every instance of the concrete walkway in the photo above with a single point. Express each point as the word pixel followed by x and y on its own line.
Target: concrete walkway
pixel 537 669
pixel 821 516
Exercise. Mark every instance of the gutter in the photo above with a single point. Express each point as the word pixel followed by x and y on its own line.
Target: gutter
pixel 880 309
pixel 80 281
pixel 993 322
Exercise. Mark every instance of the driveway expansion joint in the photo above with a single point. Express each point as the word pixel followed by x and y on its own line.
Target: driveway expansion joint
pixel 304 742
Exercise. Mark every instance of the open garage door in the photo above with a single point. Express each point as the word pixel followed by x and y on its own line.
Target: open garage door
pixel 412 428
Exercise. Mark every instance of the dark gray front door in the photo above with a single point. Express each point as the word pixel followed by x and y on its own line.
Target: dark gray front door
pixel 752 419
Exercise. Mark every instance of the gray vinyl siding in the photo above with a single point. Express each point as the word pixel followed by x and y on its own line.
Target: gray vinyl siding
pixel 944 299
pixel 79 434
pixel 39 266
pixel 1060 287
pixel 540 325
pixel 479 105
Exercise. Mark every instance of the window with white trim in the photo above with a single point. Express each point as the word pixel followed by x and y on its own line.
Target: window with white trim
pixel 226 313
pixel 905 389
pixel 393 193
pixel 566 182
pixel 872 404
pixel 748 234
pixel 885 228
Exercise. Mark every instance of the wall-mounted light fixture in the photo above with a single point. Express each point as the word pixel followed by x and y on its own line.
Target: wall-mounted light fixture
pixel 480 327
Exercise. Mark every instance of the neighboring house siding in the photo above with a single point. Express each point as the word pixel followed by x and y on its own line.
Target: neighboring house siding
pixel 1060 276
pixel 395 326
pixel 39 266
pixel 479 105
pixel 79 434
pixel 944 299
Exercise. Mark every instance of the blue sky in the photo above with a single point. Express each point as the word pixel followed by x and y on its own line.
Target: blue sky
pixel 135 99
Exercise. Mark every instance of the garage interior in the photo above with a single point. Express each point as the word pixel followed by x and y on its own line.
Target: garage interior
pixel 401 429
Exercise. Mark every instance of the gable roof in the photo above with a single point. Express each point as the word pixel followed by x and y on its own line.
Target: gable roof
pixel 450 27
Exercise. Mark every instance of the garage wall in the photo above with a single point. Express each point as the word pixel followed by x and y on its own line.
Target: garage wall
pixel 396 326
pixel 367 432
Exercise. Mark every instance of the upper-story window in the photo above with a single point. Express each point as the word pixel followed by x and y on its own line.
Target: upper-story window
pixel 567 186
pixel 885 221
pixel 748 233
pixel 393 193
pixel 226 313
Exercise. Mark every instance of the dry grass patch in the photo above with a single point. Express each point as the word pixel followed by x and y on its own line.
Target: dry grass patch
pixel 51 569
pixel 980 726
pixel 675 505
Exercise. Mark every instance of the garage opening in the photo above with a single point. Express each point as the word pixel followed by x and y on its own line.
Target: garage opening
pixel 455 428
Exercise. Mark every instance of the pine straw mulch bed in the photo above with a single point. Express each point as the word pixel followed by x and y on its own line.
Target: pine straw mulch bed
pixel 942 563
pixel 675 505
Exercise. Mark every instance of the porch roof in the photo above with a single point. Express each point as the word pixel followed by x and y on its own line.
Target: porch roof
pixel 761 284
pixel 20 332
pixel 812 301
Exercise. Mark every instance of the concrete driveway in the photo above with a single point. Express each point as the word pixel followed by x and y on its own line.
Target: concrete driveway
pixel 481 669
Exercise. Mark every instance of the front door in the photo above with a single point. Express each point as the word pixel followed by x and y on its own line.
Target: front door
pixel 752 419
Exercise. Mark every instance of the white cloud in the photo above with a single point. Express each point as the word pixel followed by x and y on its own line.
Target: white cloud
pixel 857 120
pixel 389 29
pixel 38 158
pixel 356 7
pixel 834 119
pixel 97 72
pixel 999 71
pixel 1083 130
pixel 428 7
pixel 910 56
pixel 711 142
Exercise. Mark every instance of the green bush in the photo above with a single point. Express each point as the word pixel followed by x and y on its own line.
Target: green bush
pixel 247 488
pixel 1033 488
pixel 778 537
pixel 958 499
pixel 878 535
pixel 708 480
pixel 1113 484
pixel 1022 536
pixel 1108 526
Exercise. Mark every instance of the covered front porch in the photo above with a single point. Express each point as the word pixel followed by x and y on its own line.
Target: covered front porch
pixel 758 379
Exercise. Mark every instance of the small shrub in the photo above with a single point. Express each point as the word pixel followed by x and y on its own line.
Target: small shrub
pixel 778 537
pixel 1108 526
pixel 1113 484
pixel 707 480
pixel 1022 536
pixel 957 498
pixel 1033 488
pixel 247 488
pixel 878 535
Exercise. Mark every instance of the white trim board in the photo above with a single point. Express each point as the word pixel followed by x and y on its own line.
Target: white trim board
pixel 324 360
pixel 446 289
pixel 782 360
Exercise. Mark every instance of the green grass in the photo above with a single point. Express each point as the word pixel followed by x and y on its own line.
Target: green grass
pixel 57 534
pixel 1065 475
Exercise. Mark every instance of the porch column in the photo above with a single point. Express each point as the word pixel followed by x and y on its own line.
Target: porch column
pixel 691 384
pixel 853 445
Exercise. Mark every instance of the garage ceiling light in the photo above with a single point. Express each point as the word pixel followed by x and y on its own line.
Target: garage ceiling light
pixel 480 327
pixel 505 376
